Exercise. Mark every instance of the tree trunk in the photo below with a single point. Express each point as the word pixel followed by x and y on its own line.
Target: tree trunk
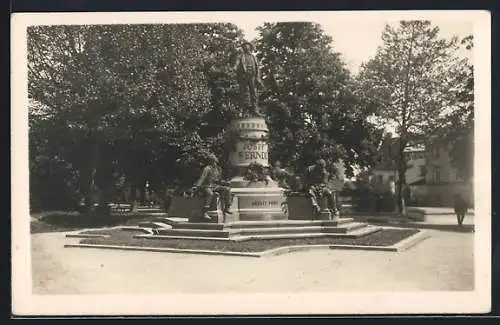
pixel 132 196
pixel 401 181
pixel 403 134
pixel 89 182
pixel 133 192
pixel 401 167
pixel 143 193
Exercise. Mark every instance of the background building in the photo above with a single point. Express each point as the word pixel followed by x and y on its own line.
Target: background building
pixel 431 177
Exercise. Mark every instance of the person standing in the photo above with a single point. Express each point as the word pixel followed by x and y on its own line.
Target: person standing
pixel 460 206
pixel 210 183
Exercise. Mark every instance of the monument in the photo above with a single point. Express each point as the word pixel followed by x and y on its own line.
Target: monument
pixel 259 198
pixel 255 196
pixel 251 205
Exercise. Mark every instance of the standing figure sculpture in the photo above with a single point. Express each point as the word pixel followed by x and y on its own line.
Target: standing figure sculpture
pixel 248 74
pixel 322 198
pixel 210 183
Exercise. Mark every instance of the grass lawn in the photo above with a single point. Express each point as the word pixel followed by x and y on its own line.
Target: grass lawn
pixel 69 221
pixel 385 237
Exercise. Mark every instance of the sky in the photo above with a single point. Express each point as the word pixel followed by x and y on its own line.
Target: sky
pixel 357 40
pixel 358 36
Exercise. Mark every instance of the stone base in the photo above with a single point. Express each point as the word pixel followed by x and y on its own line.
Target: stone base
pixel 260 203
pixel 325 215
pixel 192 208
pixel 234 216
pixel 300 208
pixel 264 230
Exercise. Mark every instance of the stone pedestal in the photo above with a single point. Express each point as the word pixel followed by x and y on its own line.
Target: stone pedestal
pixel 264 203
pixel 257 200
pixel 326 213
pixel 192 208
pixel 299 208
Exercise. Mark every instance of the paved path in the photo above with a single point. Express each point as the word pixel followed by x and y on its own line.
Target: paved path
pixel 440 210
pixel 443 262
pixel 447 219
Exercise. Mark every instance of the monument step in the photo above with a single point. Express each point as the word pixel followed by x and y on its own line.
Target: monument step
pixel 170 220
pixel 194 232
pixel 262 224
pixel 239 232
pixel 219 231
pixel 345 227
pixel 154 224
pixel 198 225
pixel 287 223
pixel 277 236
pixel 354 234
pixel 159 234
pixel 296 230
pixel 342 229
pixel 146 230
pixel 363 231
pixel 279 230
pixel 160 237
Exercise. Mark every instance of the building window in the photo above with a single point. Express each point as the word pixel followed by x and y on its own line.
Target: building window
pixel 423 171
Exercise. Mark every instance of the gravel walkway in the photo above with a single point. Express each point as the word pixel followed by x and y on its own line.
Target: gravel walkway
pixel 442 262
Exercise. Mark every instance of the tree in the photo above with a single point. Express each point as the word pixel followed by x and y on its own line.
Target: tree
pixel 48 167
pixel 221 42
pixel 138 100
pixel 134 86
pixel 408 81
pixel 457 125
pixel 309 97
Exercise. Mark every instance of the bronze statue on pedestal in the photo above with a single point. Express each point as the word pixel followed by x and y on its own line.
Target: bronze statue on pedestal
pixel 322 197
pixel 248 75
pixel 210 183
